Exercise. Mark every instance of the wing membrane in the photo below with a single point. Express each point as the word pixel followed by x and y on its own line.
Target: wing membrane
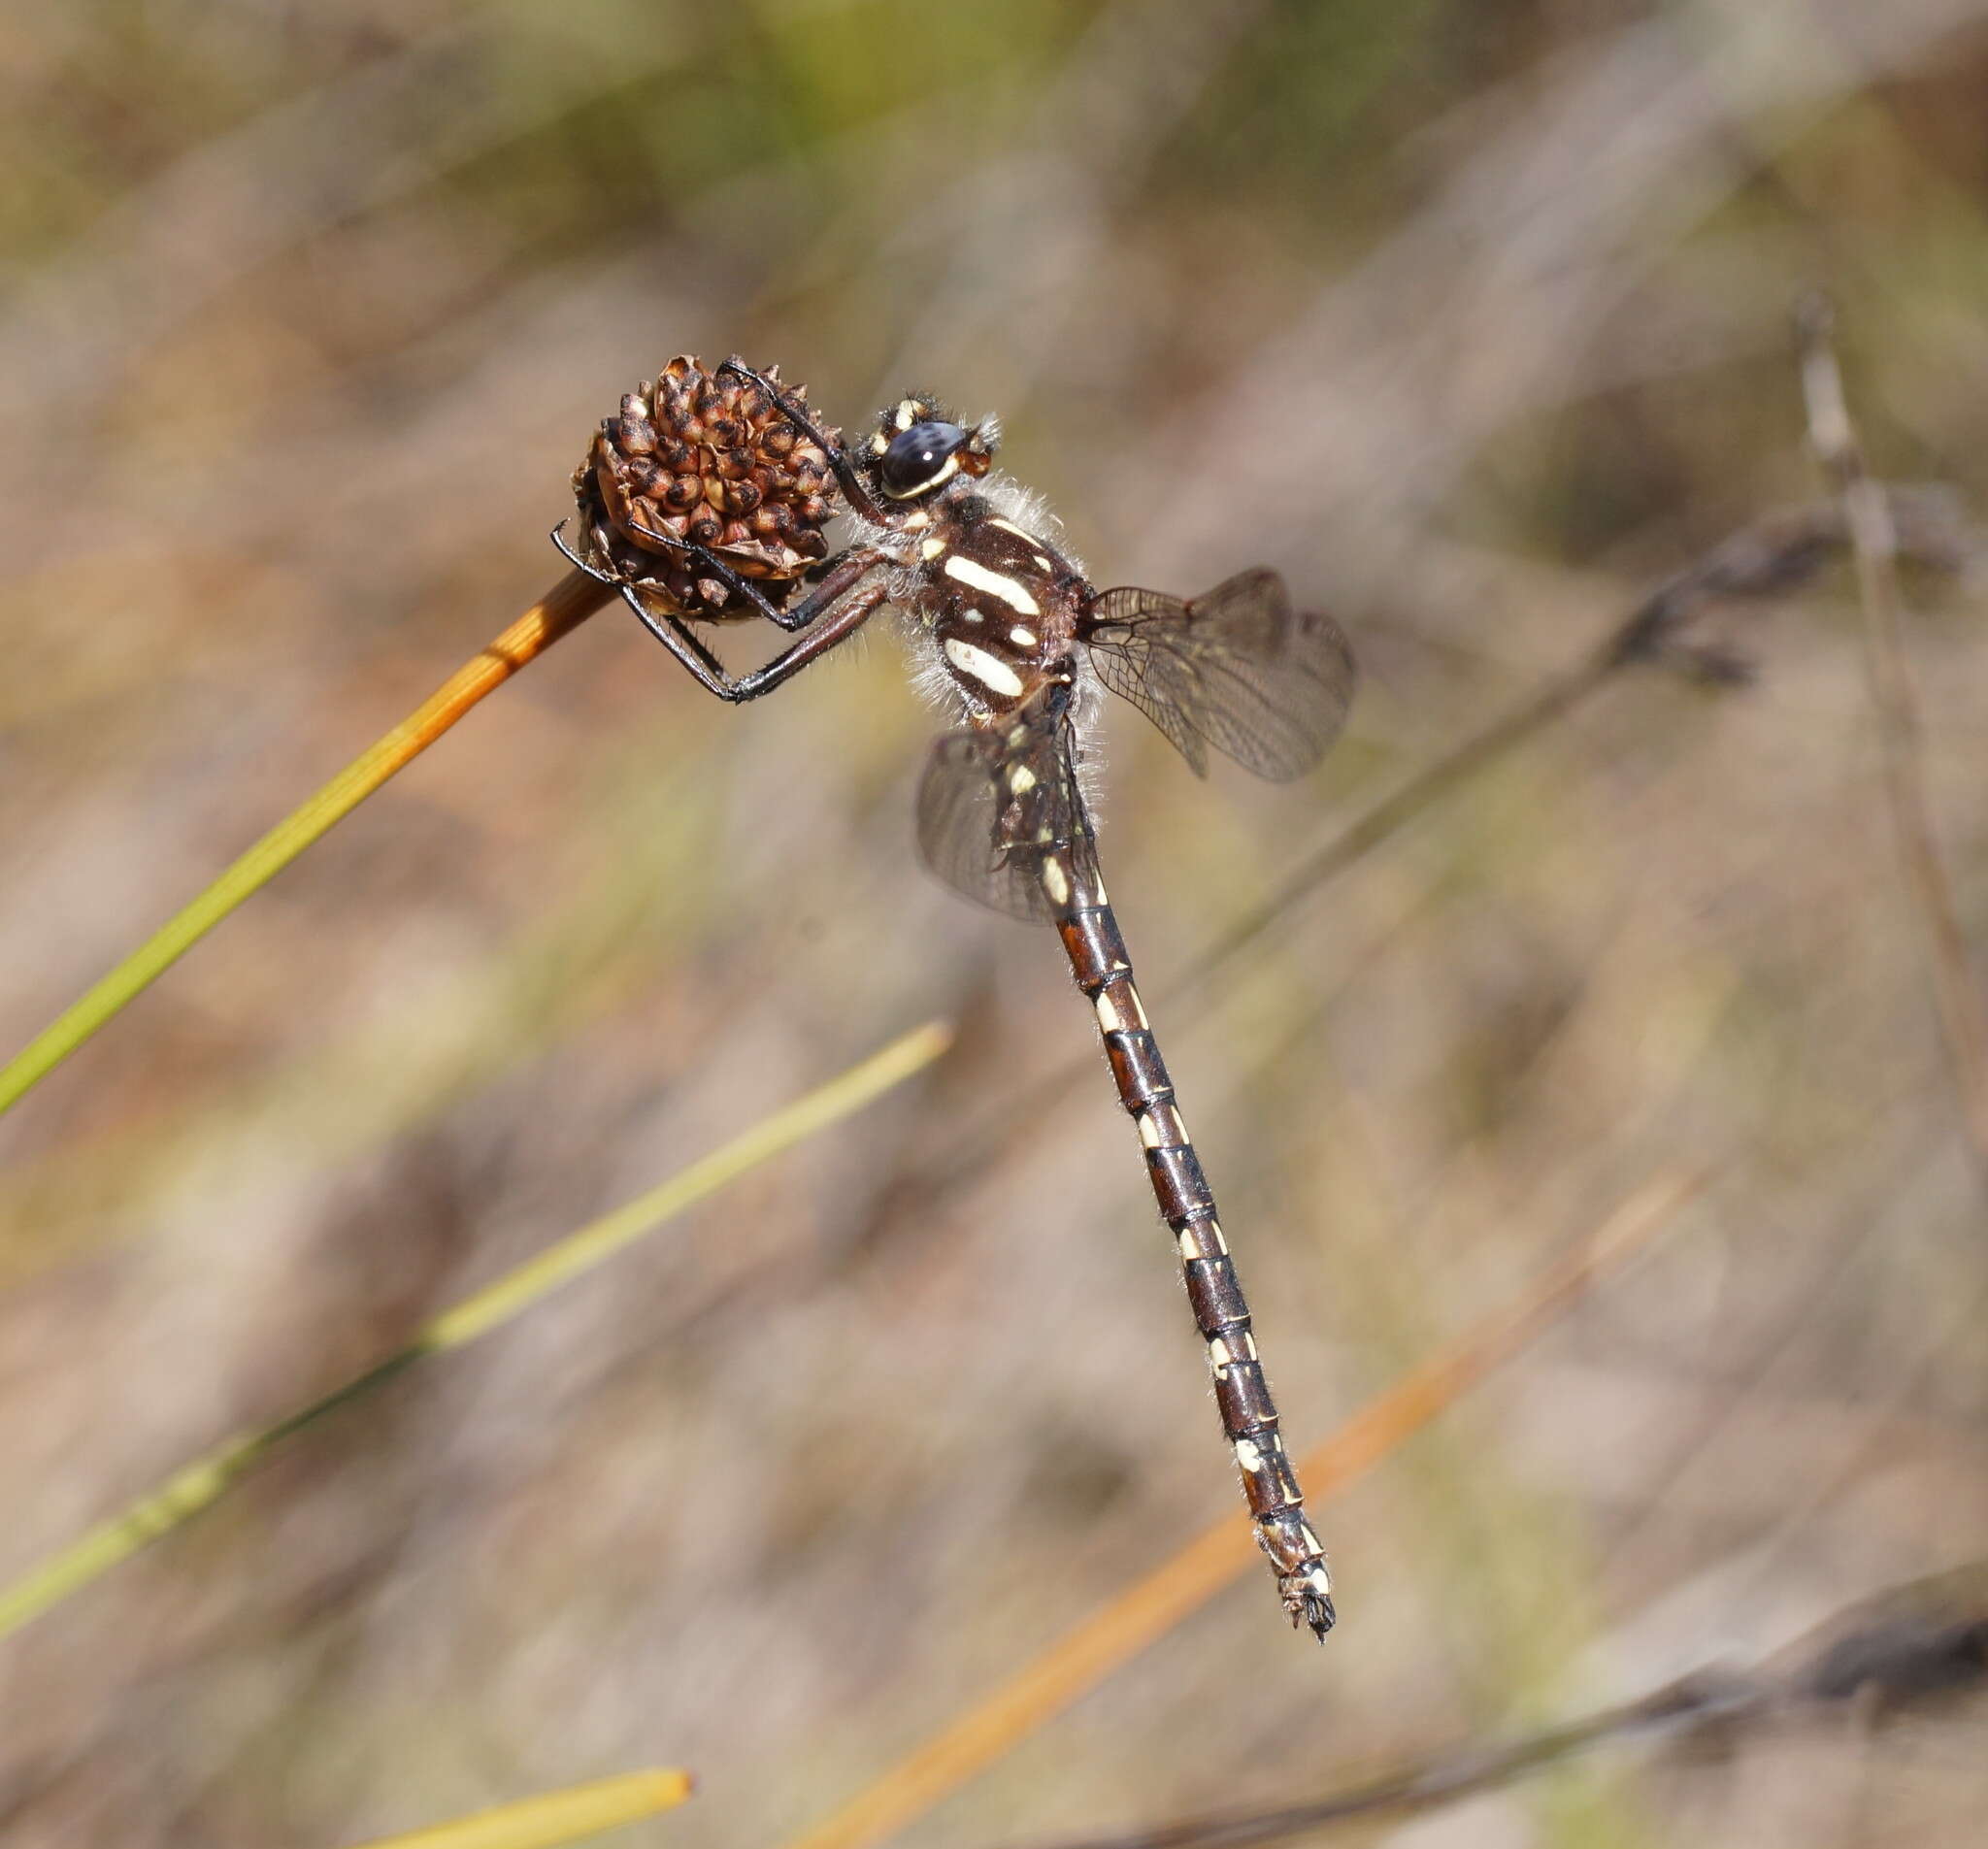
pixel 1238 669
pixel 992 803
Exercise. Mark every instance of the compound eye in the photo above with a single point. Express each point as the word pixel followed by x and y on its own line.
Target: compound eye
pixel 920 458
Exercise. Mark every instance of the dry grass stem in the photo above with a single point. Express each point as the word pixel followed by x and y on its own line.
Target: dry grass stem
pixel 1875 541
pixel 1769 557
pixel 1225 1551
pixel 1902 1649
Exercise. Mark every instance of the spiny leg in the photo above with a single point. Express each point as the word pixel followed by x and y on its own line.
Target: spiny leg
pixel 1091 939
pixel 837 607
pixel 842 622
pixel 796 616
pixel 856 490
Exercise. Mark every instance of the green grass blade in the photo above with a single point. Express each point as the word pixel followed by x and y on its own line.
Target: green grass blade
pixel 200 1484
pixel 555 1817
pixel 555 614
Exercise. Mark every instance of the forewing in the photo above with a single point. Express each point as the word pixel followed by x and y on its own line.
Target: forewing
pixel 1238 669
pixel 992 804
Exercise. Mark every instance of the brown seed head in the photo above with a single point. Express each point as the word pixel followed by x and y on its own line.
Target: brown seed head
pixel 707 458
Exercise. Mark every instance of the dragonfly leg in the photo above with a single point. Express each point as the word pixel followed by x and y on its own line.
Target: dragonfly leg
pixel 837 605
pixel 856 490
pixel 837 621
pixel 840 574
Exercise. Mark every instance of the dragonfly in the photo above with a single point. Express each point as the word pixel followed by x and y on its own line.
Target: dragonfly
pixel 1012 632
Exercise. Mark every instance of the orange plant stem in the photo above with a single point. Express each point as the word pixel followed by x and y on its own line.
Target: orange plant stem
pixel 561 609
pixel 1080 1660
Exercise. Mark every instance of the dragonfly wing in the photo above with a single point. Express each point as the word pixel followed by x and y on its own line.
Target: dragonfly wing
pixel 993 803
pixel 1238 669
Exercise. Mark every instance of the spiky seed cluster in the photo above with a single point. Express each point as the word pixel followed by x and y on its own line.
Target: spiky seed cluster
pixel 707 458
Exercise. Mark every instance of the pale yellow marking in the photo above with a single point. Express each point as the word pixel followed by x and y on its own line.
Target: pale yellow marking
pixel 971 572
pixel 1149 1130
pixel 992 673
pixel 1203 1239
pixel 878 443
pixel 1021 780
pixel 907 413
pixel 1112 1022
pixel 931 548
pixel 1023 637
pixel 1055 882
pixel 1248 1456
pixel 946 472
pixel 1218 1358
pixel 1311 1541
pixel 917 522
pixel 1043 563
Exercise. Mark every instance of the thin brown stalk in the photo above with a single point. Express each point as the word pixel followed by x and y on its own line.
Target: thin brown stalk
pixel 1769 557
pixel 1873 536
pixel 1152 1606
pixel 1902 1648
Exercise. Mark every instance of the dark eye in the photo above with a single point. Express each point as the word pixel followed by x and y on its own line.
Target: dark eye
pixel 916 458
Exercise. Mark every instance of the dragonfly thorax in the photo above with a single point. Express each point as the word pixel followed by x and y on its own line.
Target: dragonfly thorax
pixel 1001 604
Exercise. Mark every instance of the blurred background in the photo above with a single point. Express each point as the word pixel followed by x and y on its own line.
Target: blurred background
pixel 1471 319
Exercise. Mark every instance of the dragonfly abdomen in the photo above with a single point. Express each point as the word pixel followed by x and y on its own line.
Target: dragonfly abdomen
pixel 1103 967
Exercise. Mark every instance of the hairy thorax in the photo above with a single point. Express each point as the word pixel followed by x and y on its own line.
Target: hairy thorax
pixel 992 597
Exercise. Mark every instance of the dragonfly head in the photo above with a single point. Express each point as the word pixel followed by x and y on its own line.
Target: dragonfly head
pixel 917 449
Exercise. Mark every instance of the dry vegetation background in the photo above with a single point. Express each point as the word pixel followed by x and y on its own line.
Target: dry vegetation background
pixel 1472 319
